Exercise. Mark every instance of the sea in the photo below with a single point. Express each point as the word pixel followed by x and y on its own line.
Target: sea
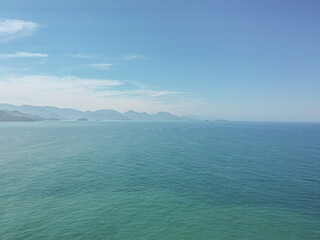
pixel 160 180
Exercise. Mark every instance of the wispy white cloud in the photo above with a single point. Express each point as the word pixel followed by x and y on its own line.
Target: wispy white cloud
pixel 80 55
pixel 153 93
pixel 102 66
pixel 13 28
pixel 23 55
pixel 89 94
pixel 133 57
pixel 124 57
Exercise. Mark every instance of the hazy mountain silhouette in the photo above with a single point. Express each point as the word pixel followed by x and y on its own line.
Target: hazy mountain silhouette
pixel 47 112
pixel 16 116
pixel 105 114
pixel 137 116
pixel 160 116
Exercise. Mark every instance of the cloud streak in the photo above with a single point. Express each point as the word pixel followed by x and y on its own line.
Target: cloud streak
pixel 23 55
pixel 88 94
pixel 80 55
pixel 133 57
pixel 13 28
pixel 102 66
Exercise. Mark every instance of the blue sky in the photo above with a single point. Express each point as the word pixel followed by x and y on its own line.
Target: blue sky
pixel 239 60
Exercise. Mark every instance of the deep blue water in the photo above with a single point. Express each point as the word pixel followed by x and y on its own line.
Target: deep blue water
pixel 143 180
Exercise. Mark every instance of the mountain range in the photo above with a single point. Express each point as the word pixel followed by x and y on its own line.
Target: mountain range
pixel 16 116
pixel 10 112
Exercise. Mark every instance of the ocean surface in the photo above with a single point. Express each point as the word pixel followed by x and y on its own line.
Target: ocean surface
pixel 170 180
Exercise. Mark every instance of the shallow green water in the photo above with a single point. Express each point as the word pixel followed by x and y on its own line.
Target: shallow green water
pixel 135 180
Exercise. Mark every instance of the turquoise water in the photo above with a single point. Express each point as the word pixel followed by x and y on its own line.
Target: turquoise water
pixel 139 180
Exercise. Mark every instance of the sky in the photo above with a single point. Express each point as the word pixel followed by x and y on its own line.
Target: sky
pixel 236 60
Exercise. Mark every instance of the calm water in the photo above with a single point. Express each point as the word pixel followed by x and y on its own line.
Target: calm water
pixel 135 180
